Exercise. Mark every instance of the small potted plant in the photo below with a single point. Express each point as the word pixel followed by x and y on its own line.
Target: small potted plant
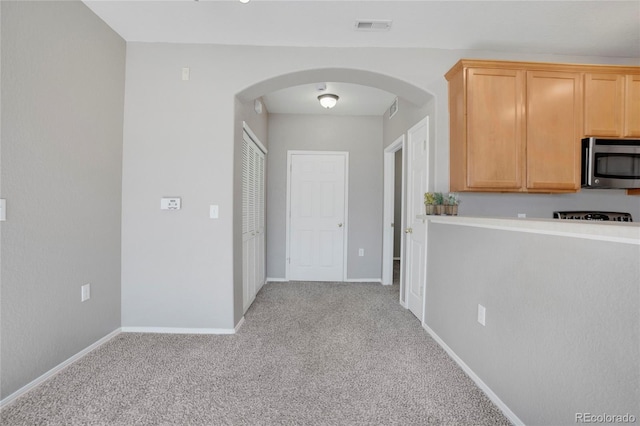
pixel 429 203
pixel 451 204
pixel 439 199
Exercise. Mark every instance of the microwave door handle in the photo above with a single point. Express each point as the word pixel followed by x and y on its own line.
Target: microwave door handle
pixel 587 163
pixel 591 158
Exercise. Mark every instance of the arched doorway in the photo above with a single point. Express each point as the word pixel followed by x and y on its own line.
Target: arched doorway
pixel 412 98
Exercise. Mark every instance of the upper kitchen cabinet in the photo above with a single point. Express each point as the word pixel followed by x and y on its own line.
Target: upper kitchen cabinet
pixel 554 126
pixel 612 104
pixel 514 127
pixel 494 128
pixel 632 106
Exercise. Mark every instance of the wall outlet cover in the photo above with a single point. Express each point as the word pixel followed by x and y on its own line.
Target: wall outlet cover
pixel 85 291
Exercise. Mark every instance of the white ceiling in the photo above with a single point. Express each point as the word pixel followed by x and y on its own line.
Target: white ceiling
pixel 575 27
pixel 354 100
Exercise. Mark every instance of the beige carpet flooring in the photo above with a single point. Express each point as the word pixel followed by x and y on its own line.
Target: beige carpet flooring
pixel 307 354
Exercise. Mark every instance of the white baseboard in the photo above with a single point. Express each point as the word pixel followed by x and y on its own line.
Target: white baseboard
pixel 58 368
pixel 179 330
pixel 277 280
pixel 348 280
pixel 237 327
pixel 482 385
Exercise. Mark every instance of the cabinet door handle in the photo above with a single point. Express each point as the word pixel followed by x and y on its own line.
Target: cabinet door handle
pixel 408 231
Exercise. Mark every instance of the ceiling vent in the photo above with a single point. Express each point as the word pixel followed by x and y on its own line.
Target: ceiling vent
pixel 373 25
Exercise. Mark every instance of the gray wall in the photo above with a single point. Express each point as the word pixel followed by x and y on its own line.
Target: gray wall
pixel 178 268
pixel 543 205
pixel 362 138
pixel 406 117
pixel 562 318
pixel 62 118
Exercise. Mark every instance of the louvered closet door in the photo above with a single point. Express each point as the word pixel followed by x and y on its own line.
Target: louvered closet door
pixel 253 220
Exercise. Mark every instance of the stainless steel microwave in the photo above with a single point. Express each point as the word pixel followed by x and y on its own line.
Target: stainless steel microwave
pixel 610 163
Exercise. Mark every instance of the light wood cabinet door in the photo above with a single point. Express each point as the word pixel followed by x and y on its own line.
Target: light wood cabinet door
pixel 554 127
pixel 632 107
pixel 517 126
pixel 603 104
pixel 495 129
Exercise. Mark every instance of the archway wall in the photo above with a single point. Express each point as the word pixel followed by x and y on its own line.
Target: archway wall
pixel 362 137
pixel 391 84
pixel 178 266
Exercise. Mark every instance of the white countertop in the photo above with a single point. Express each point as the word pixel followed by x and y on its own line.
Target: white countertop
pixel 623 232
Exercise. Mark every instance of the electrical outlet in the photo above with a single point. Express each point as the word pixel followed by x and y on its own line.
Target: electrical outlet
pixel 3 209
pixel 170 203
pixel 522 215
pixel 361 252
pixel 481 314
pixel 85 291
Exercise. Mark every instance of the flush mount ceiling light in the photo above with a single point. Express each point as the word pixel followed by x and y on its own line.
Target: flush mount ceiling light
pixel 328 100
pixel 245 1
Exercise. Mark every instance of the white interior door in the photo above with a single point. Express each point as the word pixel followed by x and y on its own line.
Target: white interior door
pixel 417 184
pixel 317 213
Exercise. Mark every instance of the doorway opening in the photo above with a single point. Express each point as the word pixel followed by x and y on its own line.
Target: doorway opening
pixel 286 131
pixel 393 223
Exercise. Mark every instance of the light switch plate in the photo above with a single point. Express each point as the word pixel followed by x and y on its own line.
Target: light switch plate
pixel 170 203
pixel 85 292
pixel 481 314
pixel 213 211
pixel 3 210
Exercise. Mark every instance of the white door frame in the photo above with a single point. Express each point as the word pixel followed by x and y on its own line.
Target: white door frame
pixel 388 214
pixel 345 154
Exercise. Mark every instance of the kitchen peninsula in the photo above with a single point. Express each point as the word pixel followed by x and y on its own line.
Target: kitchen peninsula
pixel 561 302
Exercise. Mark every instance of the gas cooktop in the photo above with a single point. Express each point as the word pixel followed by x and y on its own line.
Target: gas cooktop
pixel 593 215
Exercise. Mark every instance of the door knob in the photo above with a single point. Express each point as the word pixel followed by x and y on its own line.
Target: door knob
pixel 408 231
pixel 339 225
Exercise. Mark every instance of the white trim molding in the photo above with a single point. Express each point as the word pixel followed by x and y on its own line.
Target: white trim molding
pixel 253 137
pixel 238 325
pixel 364 280
pixel 276 280
pixel 478 381
pixel 58 368
pixel 389 178
pixel 180 330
